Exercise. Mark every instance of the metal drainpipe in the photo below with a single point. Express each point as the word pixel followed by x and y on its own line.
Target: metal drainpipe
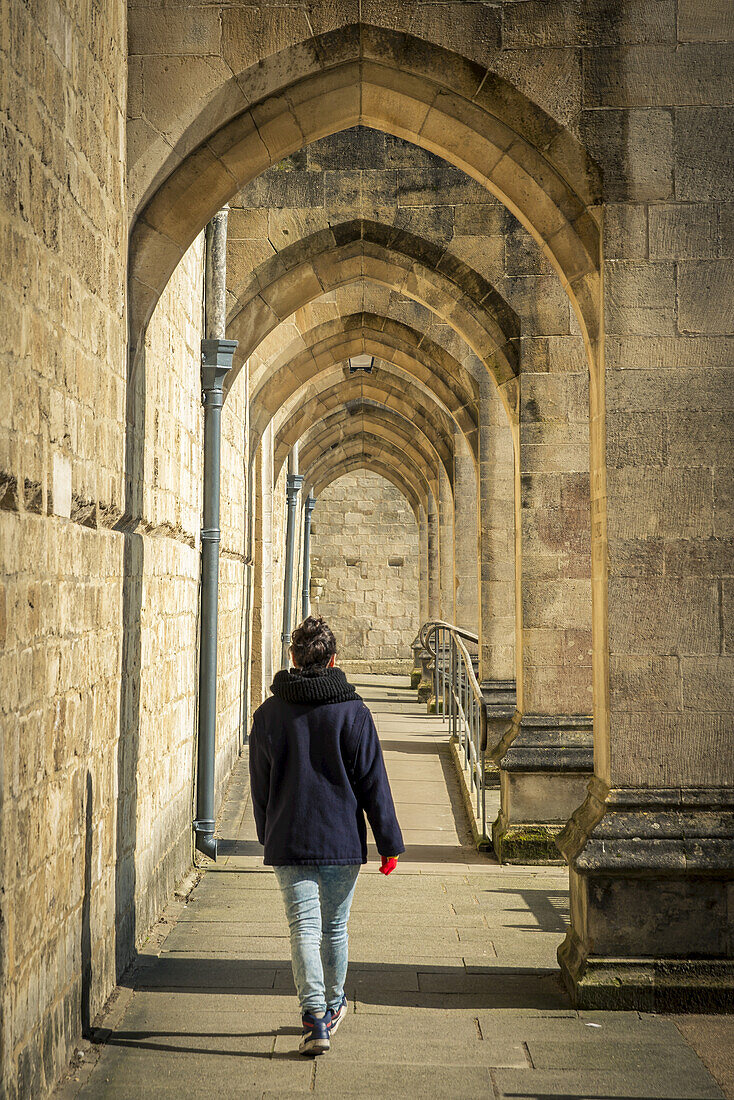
pixel 307 513
pixel 293 484
pixel 217 356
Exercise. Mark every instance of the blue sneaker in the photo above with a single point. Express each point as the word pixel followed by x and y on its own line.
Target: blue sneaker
pixel 315 1038
pixel 337 1015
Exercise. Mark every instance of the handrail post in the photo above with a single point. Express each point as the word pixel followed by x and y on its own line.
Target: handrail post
pixel 462 705
pixel 436 635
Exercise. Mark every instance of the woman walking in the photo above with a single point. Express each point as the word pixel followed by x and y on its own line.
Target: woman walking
pixel 316 769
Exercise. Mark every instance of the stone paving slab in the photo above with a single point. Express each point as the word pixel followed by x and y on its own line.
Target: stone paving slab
pixel 623 1084
pixel 453 982
pixel 368 1079
pixel 713 1039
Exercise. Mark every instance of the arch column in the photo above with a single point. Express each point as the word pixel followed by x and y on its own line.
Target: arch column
pixel 446 545
pixel 423 564
pixel 433 590
pixel 466 561
pixel 546 754
pixel 262 610
pixel 420 655
pixel 496 557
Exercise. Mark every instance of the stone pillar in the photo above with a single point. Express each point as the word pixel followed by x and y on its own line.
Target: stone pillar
pixel 446 545
pixel 496 557
pixel 416 675
pixel 425 687
pixel 422 565
pixel 215 276
pixel 546 755
pixel 434 590
pixel 266 449
pixel 465 536
pixel 257 687
pixel 651 851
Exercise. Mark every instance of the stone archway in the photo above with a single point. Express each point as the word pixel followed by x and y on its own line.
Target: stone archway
pixel 356 417
pixel 368 75
pixel 367 250
pixel 433 423
pixel 402 346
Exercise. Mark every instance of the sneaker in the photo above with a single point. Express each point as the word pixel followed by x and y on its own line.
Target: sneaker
pixel 337 1015
pixel 315 1038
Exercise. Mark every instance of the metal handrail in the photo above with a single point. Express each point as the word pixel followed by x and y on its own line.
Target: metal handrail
pixel 429 628
pixel 460 701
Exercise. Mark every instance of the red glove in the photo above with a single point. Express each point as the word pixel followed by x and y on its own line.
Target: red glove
pixel 389 863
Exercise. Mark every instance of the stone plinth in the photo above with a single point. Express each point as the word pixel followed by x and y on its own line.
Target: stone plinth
pixel 544 775
pixel 416 673
pixel 652 877
pixel 500 702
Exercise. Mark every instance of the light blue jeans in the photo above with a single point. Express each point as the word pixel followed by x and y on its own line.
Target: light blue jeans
pixel 317 903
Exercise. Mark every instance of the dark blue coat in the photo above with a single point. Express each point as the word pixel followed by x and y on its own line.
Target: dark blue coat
pixel 316 769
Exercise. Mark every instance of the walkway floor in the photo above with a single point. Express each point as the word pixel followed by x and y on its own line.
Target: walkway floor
pixel 452 984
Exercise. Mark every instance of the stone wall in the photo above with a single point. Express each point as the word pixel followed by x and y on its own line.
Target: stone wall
pixel 63 239
pixel 99 619
pixel 365 545
pixel 99 676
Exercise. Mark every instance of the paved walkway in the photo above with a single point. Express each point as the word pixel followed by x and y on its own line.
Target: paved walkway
pixel 452 983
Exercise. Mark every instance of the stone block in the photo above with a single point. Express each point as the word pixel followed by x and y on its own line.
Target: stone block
pixel 708 684
pixel 441 186
pixel 723 503
pixel 251 34
pixel 657 76
pixel 563 606
pixel 636 150
pixel 637 683
pixel 625 231
pixel 60 488
pixel 286 188
pixel 697 557
pixel 704 166
pixel 168 84
pixel 727 612
pixel 701 438
pixel 636 439
pixel 706 296
pixel 555 23
pixel 553 354
pixel 167 33
pixel 667 390
pixel 686 619
pixel 646 352
pixel 650 501
pixel 640 298
pixel 560 688
pixel 681 231
pixel 541 302
pixel 713 23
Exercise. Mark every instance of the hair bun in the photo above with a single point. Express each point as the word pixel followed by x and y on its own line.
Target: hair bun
pixel 313 643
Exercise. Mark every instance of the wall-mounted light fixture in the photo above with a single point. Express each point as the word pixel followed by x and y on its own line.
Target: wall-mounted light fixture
pixel 361 362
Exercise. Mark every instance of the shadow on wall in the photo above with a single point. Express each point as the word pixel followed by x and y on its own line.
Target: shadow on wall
pixel 128 744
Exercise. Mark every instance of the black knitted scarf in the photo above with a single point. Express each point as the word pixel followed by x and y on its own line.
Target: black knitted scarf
pixel 313 685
